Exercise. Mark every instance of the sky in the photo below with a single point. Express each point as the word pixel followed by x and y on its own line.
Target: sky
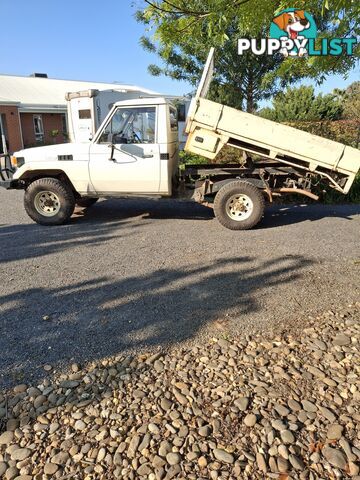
pixel 88 40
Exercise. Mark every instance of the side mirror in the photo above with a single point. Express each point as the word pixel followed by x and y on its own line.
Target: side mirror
pixel 112 147
pixel 91 136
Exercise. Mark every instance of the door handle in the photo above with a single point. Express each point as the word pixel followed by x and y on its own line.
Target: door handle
pixel 150 155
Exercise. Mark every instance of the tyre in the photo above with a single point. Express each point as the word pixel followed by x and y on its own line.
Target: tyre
pixel 86 202
pixel 239 205
pixel 48 201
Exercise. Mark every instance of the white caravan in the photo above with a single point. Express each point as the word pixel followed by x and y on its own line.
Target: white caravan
pixel 87 109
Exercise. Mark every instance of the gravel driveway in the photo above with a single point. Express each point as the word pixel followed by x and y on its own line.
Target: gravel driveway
pixel 130 274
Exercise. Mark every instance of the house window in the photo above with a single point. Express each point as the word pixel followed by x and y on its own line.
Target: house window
pixel 38 128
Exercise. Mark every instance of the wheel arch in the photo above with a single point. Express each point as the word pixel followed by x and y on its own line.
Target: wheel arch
pixel 217 185
pixel 32 175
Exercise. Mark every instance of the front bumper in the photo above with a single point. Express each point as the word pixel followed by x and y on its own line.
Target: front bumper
pixel 6 173
pixel 9 184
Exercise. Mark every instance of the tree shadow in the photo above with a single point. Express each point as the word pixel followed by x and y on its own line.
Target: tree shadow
pixel 113 219
pixel 282 215
pixel 105 221
pixel 104 317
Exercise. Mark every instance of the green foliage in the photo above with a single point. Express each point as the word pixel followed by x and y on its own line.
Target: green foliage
pixel 301 104
pixel 343 131
pixel 187 158
pixel 329 195
pixel 239 81
pixel 181 22
pixel 350 100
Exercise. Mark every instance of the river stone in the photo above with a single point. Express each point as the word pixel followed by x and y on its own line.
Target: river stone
pixel 294 405
pixel 242 403
pixel 20 388
pixel 250 420
pixel 283 451
pixel 3 467
pixel 328 414
pixel 334 432
pixel 308 406
pixel 20 454
pixel 60 458
pixel 165 404
pixel 223 456
pixel 335 457
pixel 144 469
pixel 139 393
pixel 281 410
pixel 133 446
pixel 165 448
pixel 39 400
pixel 261 463
pixel 158 462
pixel 6 438
pixel 158 366
pixel 11 473
pixel 202 462
pixel 12 424
pixel 282 464
pixel 341 340
pixel 50 468
pixel 287 436
pixel 145 442
pixel 296 462
pixel 354 469
pixel 153 428
pixel 278 425
pixel 205 431
pixel 173 458
pixel 80 425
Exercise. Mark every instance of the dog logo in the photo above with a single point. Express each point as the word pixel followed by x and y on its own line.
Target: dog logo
pixel 296 26
pixel 293 32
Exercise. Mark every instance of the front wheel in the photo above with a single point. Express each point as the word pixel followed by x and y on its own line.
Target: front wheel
pixel 239 205
pixel 48 201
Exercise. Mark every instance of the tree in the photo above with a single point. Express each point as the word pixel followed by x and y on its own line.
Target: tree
pixel 174 20
pixel 301 104
pixel 350 99
pixel 239 81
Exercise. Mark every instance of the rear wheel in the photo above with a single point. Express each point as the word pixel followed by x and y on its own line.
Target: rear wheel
pixel 48 201
pixel 239 205
pixel 86 202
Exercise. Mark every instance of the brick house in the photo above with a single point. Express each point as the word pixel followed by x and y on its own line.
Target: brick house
pixel 33 109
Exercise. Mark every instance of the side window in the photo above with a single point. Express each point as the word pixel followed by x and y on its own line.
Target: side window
pixel 173 119
pixel 131 125
pixel 181 112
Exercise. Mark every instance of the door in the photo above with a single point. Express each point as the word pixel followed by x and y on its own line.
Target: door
pixel 125 157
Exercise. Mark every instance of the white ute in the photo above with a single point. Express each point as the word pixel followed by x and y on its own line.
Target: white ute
pixel 135 153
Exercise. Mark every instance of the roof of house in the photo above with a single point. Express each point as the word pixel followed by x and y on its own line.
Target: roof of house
pixel 31 92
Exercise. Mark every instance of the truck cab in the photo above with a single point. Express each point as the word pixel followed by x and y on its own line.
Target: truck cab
pixel 135 150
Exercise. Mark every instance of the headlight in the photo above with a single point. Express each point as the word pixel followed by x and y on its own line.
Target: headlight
pixel 17 162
